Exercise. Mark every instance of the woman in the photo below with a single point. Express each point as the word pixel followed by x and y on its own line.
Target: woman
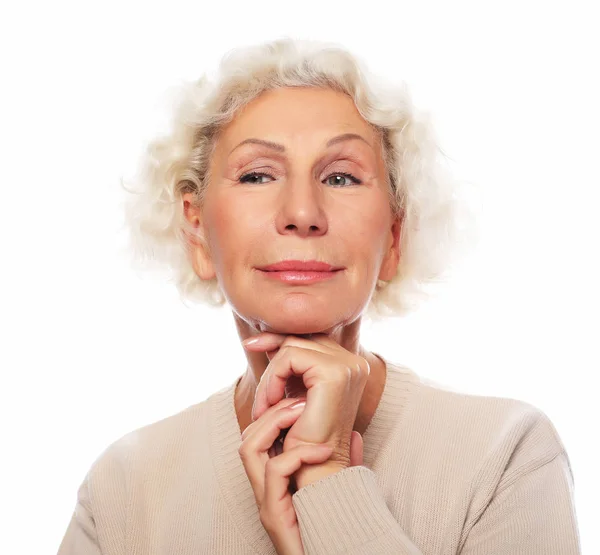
pixel 307 196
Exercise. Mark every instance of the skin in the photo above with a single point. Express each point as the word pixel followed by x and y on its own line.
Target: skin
pixel 304 210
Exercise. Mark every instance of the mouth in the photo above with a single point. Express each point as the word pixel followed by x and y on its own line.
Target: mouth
pixel 299 277
pixel 300 266
pixel 300 272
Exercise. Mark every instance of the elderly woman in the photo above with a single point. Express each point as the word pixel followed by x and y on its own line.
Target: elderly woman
pixel 307 195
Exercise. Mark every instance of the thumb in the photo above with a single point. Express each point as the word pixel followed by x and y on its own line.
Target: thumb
pixel 356 449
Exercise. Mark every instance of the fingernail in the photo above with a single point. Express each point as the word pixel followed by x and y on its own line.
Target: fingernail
pixel 251 341
pixel 298 404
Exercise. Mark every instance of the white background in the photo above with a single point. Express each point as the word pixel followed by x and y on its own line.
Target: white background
pixel 90 351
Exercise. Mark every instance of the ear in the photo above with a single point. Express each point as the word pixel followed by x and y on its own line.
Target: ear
pixel 391 258
pixel 199 255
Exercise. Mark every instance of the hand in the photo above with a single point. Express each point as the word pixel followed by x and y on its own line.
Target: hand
pixel 269 473
pixel 333 379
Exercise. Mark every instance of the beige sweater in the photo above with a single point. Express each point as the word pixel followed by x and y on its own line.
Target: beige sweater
pixel 444 473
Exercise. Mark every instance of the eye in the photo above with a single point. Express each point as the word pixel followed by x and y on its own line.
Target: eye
pixel 345 176
pixel 248 177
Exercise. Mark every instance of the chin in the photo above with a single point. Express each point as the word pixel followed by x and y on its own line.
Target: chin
pixel 298 323
pixel 297 314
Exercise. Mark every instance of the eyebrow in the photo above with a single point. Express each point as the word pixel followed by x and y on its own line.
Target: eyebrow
pixel 280 148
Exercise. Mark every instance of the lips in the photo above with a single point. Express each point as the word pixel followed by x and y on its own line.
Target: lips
pixel 300 266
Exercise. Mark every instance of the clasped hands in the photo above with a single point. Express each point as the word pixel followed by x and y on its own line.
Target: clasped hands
pixel 320 440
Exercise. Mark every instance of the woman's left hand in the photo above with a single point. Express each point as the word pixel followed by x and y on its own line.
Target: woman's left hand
pixel 331 378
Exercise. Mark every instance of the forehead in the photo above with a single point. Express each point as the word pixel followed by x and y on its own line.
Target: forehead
pixel 296 113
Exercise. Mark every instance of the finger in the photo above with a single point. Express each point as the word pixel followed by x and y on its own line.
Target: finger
pixel 254 450
pixel 307 363
pixel 356 449
pixel 279 470
pixel 266 430
pixel 264 341
pixel 270 342
pixel 313 341
pixel 284 403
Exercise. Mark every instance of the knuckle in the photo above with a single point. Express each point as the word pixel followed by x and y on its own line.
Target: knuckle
pixel 243 450
pixel 346 372
pixel 363 366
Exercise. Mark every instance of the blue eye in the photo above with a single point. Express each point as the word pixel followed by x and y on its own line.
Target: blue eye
pixel 246 178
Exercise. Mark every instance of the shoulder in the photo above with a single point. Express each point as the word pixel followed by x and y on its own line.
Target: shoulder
pixel 150 449
pixel 140 459
pixel 511 433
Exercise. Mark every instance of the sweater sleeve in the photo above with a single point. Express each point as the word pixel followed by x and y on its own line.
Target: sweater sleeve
pixel 347 513
pixel 81 537
pixel 97 526
pixel 534 514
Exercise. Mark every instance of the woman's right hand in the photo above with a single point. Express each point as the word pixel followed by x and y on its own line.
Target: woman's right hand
pixel 269 473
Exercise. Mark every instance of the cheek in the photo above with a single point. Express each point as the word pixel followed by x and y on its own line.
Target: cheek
pixel 379 219
pixel 231 235
pixel 221 234
pixel 367 231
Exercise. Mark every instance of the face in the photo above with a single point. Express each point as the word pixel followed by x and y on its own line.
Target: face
pixel 310 198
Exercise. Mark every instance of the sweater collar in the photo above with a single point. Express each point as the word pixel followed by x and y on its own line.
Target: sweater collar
pixel 226 438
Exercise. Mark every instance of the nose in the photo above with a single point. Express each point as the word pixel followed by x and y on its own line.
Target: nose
pixel 301 209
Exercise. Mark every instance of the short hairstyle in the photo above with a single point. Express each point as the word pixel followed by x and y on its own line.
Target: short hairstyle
pixel 436 220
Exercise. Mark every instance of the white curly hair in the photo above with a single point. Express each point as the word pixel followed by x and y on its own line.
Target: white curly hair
pixel 436 219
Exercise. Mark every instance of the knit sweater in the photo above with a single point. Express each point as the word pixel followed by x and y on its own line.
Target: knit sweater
pixel 443 473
